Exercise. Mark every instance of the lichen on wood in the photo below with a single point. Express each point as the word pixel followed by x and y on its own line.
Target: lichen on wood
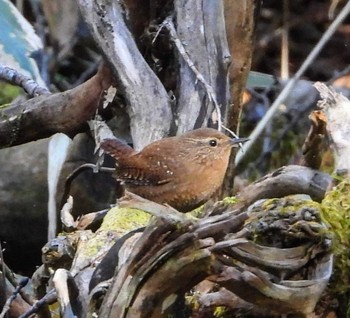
pixel 336 211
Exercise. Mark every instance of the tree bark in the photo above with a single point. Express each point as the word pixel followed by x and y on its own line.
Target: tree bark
pixel 240 17
pixel 45 115
pixel 147 101
pixel 206 47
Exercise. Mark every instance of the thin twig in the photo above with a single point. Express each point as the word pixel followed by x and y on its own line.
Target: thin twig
pixel 285 42
pixel 77 172
pixel 31 87
pixel 232 134
pixel 2 278
pixel 49 298
pixel 7 276
pixel 23 282
pixel 168 23
pixel 287 89
pixel 277 143
pixel 332 8
pixel 90 71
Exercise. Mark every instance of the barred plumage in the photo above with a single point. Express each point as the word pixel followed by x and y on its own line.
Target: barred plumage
pixel 182 171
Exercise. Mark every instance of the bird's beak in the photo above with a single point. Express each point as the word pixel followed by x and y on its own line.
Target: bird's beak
pixel 238 141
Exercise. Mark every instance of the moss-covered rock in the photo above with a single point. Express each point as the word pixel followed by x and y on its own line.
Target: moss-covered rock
pixel 287 222
pixel 124 220
pixel 336 212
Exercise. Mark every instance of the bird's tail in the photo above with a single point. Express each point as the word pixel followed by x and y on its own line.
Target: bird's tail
pixel 117 149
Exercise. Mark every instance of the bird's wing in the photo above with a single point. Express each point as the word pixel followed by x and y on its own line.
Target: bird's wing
pixel 131 168
pixel 146 168
pixel 140 177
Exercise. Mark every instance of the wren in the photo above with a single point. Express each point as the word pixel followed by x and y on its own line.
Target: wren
pixel 183 171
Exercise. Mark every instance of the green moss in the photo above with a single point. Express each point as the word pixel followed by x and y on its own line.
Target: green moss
pixel 220 311
pixel 3 106
pixel 92 244
pixel 124 220
pixel 290 204
pixel 8 93
pixel 336 212
pixel 196 213
pixel 116 223
pixel 280 222
pixel 230 200
pixel 55 310
pixel 193 303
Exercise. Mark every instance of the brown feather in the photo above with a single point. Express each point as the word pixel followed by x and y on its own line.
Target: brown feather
pixel 117 149
pixel 182 171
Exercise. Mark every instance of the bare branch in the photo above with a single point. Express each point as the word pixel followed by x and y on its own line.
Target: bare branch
pixel 285 181
pixel 49 298
pixel 204 57
pixel 29 85
pixel 42 116
pixel 168 23
pixel 9 301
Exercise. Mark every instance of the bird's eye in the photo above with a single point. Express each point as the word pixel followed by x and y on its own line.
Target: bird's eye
pixel 213 143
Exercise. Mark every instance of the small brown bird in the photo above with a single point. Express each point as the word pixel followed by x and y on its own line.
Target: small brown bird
pixel 182 171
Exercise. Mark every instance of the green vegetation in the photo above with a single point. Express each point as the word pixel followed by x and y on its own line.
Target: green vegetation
pixel 124 219
pixel 336 212
pixel 8 93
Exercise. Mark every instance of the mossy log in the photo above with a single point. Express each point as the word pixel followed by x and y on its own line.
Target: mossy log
pixel 273 254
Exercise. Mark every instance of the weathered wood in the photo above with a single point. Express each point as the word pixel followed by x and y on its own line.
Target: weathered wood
pixel 17 306
pixel 240 18
pixel 201 30
pixel 27 83
pixel 147 101
pixel 337 110
pixel 209 244
pixel 67 292
pixel 158 210
pixel 42 116
pixel 255 286
pixel 285 181
pixel 313 144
